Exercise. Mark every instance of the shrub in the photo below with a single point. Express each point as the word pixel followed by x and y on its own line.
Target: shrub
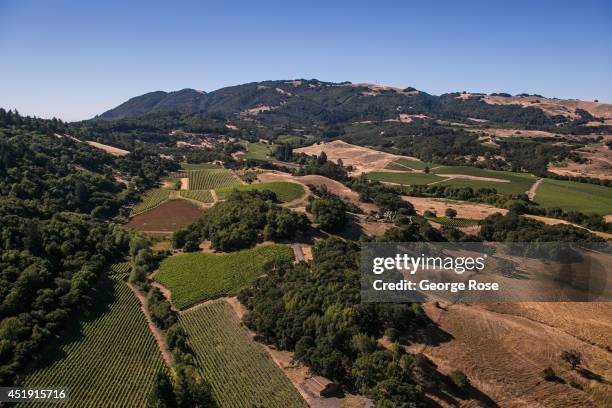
pixel 392 334
pixel 549 374
pixel 459 379
pixel 572 357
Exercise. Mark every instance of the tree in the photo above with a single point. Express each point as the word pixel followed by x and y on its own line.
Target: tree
pixel 459 379
pixel 329 212
pixel 162 394
pixel 572 357
pixel 426 170
pixel 450 212
pixel 392 334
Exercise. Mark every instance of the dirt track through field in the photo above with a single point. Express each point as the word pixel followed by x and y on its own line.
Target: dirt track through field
pixel 533 190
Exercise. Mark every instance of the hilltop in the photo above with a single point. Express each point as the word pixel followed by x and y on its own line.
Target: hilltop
pixel 314 101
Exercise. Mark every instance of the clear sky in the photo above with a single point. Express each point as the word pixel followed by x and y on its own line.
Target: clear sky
pixel 75 59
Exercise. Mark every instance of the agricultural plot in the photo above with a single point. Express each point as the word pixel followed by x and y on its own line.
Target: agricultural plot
pixel 166 218
pixel 150 200
pixel 238 369
pixel 203 196
pixel 453 222
pixel 293 140
pixel 573 196
pixel 407 178
pixel 284 191
pixel 211 179
pixel 198 276
pixel 257 151
pixel 199 166
pixel 407 165
pixel 107 360
pixel 121 268
pixel 514 183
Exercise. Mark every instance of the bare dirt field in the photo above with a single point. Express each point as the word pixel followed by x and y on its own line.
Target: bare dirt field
pixel 361 158
pixel 553 106
pixel 555 221
pixel 166 218
pixel 333 186
pixel 115 151
pixel 503 351
pixel 474 211
pixel 513 132
pixel 599 163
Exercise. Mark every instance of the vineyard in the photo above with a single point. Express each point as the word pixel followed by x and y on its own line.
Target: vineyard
pixel 150 200
pixel 197 276
pixel 240 371
pixel 407 178
pixel 199 166
pixel 203 196
pixel 284 191
pixel 211 179
pixel 406 165
pixel 453 222
pixel 121 268
pixel 108 359
pixel 572 196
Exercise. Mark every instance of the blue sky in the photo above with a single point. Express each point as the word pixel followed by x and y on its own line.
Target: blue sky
pixel 75 59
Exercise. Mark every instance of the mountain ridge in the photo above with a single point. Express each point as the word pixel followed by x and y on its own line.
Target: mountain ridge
pixel 342 101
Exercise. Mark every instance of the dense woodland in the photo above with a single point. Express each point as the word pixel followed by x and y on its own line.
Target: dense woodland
pixel 315 311
pixel 241 221
pixel 55 244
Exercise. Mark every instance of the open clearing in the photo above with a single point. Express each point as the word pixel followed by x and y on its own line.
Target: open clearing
pixel 361 158
pixel 503 352
pixel 465 209
pixel 554 106
pixel 284 191
pixel 197 276
pixel 332 186
pixel 501 132
pixel 107 360
pixel 569 195
pixel 405 178
pixel 506 182
pixel 257 151
pixel 598 165
pixel 238 369
pixel 115 151
pixel 166 218
pixel 407 165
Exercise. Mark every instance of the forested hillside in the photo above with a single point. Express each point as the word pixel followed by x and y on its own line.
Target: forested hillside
pixel 57 197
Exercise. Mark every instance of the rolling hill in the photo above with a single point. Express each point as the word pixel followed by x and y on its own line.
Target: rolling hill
pixel 314 101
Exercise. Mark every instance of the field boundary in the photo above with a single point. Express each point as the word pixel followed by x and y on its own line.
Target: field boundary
pixel 155 331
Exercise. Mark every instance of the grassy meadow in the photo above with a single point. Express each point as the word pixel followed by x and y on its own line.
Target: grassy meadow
pixel 572 196
pixel 407 178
